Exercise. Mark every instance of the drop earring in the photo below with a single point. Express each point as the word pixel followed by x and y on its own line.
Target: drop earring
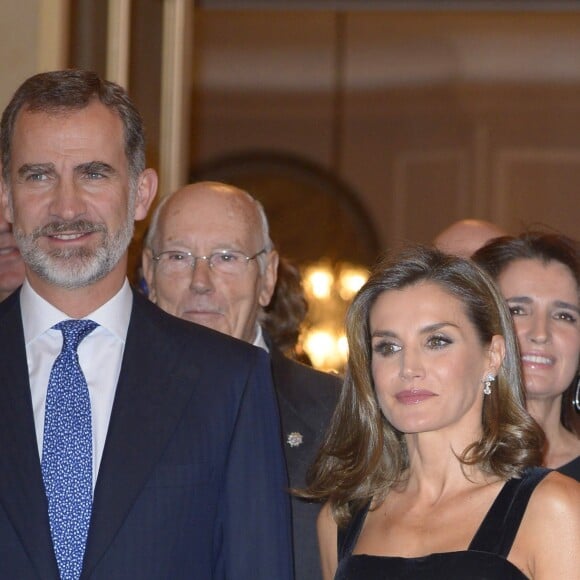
pixel 487 384
pixel 576 402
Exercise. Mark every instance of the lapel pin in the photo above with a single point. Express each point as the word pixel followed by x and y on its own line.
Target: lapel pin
pixel 295 439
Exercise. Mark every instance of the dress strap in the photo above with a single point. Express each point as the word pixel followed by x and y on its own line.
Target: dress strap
pixel 347 537
pixel 498 530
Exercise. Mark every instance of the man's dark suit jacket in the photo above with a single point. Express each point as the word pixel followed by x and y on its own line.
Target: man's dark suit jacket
pixel 192 478
pixel 306 399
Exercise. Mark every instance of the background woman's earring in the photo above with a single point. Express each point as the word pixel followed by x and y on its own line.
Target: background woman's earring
pixel 576 402
pixel 487 384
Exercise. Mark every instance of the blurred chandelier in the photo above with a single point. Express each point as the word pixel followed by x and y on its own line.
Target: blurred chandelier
pixel 329 289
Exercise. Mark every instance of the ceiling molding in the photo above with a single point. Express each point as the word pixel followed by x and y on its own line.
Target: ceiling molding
pixel 394 5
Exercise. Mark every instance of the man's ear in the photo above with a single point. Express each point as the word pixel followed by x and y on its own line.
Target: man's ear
pixel 148 273
pixel 146 190
pixel 5 206
pixel 269 278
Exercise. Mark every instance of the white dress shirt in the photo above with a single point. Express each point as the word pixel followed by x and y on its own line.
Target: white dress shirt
pixel 259 339
pixel 100 356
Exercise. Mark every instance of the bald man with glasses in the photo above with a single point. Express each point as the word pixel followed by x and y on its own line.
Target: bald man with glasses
pixel 209 259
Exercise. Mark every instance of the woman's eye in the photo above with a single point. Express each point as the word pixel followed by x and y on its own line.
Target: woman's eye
pixel 438 341
pixel 566 317
pixel 516 310
pixel 386 348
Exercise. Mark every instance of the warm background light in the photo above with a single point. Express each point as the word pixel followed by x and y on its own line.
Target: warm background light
pixel 318 281
pixel 350 281
pixel 329 289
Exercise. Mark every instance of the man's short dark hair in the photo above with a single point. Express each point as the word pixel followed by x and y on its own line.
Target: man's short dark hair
pixel 59 92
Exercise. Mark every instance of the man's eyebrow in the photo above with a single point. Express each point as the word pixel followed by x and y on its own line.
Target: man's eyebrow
pixel 29 168
pixel 95 167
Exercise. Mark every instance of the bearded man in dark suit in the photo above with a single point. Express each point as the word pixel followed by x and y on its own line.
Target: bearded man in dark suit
pixel 180 472
pixel 208 258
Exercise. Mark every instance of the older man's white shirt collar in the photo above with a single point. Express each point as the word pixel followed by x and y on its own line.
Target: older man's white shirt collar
pixel 38 315
pixel 259 340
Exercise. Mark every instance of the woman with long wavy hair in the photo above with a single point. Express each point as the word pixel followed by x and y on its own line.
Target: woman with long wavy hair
pixel 428 467
pixel 538 274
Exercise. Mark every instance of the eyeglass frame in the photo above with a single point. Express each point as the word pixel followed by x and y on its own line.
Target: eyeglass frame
pixel 207 259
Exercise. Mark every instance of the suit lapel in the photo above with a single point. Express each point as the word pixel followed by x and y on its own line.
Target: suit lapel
pixel 154 388
pixel 293 406
pixel 21 487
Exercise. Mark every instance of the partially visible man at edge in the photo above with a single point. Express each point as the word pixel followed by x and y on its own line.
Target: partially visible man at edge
pixel 464 237
pixel 209 259
pixel 187 471
pixel 11 264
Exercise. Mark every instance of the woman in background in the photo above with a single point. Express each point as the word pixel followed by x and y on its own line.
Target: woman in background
pixel 283 317
pixel 539 276
pixel 427 467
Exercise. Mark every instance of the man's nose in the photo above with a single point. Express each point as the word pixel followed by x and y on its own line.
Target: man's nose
pixel 201 276
pixel 67 201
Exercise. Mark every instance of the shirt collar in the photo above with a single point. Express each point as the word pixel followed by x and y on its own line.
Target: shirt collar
pixel 38 315
pixel 259 340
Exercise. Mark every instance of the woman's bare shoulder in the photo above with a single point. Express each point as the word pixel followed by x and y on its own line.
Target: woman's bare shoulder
pixel 556 494
pixel 550 530
pixel 327 541
pixel 325 517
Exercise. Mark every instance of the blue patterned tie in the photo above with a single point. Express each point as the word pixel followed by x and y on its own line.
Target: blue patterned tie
pixel 67 451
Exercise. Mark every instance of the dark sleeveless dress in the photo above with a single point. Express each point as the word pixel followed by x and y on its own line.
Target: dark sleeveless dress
pixel 485 559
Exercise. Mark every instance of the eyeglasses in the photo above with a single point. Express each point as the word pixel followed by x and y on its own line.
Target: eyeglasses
pixel 174 262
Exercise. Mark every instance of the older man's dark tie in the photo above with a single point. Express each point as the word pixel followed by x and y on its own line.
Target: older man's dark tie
pixel 67 451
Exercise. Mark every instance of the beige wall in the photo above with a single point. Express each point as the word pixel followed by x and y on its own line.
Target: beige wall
pixel 439 115
pixel 18 45
pixel 442 115
pixel 33 38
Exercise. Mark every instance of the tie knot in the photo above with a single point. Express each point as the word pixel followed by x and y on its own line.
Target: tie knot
pixel 73 332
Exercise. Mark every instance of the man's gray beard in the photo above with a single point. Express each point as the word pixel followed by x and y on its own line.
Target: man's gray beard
pixel 76 267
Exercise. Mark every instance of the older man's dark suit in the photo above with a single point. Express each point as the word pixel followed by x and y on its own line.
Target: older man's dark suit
pixel 306 398
pixel 191 479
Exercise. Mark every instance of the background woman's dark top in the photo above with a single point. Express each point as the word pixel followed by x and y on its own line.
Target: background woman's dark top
pixel 571 469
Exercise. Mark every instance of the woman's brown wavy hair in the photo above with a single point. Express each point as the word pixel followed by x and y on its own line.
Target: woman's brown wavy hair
pixel 544 247
pixel 363 455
